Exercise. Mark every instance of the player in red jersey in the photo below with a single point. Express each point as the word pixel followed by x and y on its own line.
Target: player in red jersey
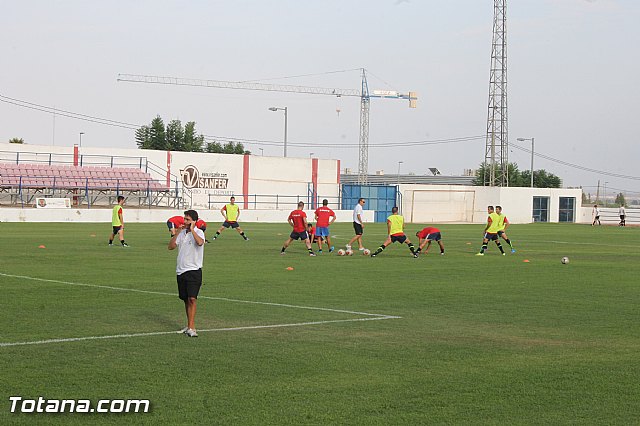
pixel 324 218
pixel 174 224
pixel 298 220
pixel 427 235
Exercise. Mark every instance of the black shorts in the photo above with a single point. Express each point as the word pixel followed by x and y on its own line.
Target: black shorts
pixel 434 237
pixel 189 284
pixel 500 233
pixel 233 225
pixel 171 225
pixel 116 229
pixel 358 228
pixel 398 238
pixel 490 237
pixel 598 217
pixel 622 217
pixel 299 235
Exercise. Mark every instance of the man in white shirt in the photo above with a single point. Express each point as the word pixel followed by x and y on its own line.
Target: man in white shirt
pixel 596 215
pixel 358 224
pixel 190 243
pixel 622 214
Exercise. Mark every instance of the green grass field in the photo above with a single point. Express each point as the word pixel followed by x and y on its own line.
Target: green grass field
pixel 480 340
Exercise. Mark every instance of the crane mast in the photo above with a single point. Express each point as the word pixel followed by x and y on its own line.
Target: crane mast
pixel 363 94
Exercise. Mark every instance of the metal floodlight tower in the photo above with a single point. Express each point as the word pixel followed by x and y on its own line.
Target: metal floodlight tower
pixel 496 155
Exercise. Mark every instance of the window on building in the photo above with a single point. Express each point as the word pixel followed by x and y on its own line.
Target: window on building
pixel 567 209
pixel 541 209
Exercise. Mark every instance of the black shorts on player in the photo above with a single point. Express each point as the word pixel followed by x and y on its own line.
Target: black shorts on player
pixel 299 235
pixel 490 237
pixel 189 284
pixel 116 229
pixel 357 227
pixel 398 238
pixel 228 224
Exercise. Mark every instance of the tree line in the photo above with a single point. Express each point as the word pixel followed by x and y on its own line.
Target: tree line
pixel 176 137
pixel 518 178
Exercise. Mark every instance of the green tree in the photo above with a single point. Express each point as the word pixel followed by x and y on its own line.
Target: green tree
pixel 16 140
pixel 213 147
pixel 192 142
pixel 143 137
pixel 174 135
pixel 515 176
pixel 620 199
pixel 541 178
pixel 157 135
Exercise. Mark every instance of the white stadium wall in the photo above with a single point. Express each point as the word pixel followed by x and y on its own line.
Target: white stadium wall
pixel 468 204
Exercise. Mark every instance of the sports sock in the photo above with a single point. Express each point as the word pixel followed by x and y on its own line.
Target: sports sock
pixel 484 248
pixel 412 248
pixel 122 242
pixel 380 249
pixel 243 236
pixel 110 242
pixel 509 242
pixel 283 249
pixel 310 251
pixel 500 247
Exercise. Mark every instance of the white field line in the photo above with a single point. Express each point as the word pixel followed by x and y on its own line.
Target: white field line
pixel 158 333
pixel 370 316
pixel 283 305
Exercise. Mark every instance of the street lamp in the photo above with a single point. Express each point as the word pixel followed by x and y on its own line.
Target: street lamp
pixel 81 133
pixel 532 147
pixel 604 195
pixel 311 154
pixel 285 125
pixel 261 151
pixel 399 162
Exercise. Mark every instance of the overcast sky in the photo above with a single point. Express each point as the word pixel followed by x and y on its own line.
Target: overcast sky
pixel 573 76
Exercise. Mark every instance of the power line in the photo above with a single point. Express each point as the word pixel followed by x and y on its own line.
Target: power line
pixel 576 166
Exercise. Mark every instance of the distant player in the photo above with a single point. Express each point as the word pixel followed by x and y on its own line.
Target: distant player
pixel 358 224
pixel 298 221
pixel 425 237
pixel 117 222
pixel 504 224
pixel 324 219
pixel 395 232
pixel 596 215
pixel 623 215
pixel 202 225
pixel 491 232
pixel 174 224
pixel 231 213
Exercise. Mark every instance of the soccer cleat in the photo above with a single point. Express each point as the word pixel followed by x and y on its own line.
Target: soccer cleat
pixel 246 239
pixel 331 249
pixel 513 250
pixel 110 245
pixel 373 255
pixel 361 249
pixel 125 245
pixel 312 254
pixel 191 333
pixel 348 247
pixel 206 241
pixel 319 251
pixel 479 254
pixel 282 253
pixel 415 255
pixel 184 330
pixel 441 254
pixel 504 254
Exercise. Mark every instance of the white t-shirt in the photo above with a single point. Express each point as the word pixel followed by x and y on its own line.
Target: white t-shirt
pixel 190 254
pixel 596 211
pixel 621 211
pixel 357 211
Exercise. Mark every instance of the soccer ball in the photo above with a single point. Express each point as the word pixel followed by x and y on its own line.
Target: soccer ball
pixel 366 252
pixel 564 260
pixel 349 252
pixel 341 252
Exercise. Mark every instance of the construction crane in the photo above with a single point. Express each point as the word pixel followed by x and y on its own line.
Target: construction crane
pixel 364 95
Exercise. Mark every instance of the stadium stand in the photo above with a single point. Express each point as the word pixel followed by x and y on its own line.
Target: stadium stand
pixel 21 183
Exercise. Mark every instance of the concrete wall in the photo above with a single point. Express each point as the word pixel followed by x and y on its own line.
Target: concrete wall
pixel 468 204
pixel 207 178
pixel 154 215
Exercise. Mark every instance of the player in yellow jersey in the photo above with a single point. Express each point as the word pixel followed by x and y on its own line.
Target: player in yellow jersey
pixel 491 232
pixel 504 224
pixel 395 231
pixel 231 213
pixel 117 223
